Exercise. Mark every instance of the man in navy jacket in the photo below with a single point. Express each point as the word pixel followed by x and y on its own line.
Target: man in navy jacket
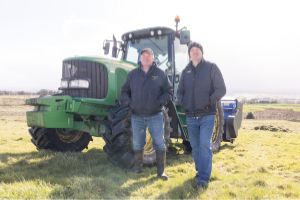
pixel 146 90
pixel 201 86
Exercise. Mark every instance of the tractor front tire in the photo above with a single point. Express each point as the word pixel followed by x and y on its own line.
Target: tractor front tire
pixel 59 139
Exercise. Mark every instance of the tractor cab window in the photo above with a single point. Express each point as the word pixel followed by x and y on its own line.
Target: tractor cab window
pixel 181 60
pixel 181 55
pixel 159 45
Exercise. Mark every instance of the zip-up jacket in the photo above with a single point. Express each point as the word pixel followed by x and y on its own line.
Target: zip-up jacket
pixel 146 93
pixel 200 88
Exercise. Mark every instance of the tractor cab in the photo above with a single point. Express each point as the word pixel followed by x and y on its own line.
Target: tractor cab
pixel 170 49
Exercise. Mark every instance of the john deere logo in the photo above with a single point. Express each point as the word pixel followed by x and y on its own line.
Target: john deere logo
pixel 154 77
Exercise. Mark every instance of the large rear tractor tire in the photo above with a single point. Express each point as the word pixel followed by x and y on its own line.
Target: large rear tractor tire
pixel 217 135
pixel 59 139
pixel 118 140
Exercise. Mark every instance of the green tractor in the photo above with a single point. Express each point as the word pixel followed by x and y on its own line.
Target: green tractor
pixel 88 104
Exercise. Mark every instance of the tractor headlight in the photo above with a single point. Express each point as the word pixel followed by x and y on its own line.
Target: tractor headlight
pixel 64 84
pixel 152 33
pixel 130 35
pixel 159 32
pixel 79 83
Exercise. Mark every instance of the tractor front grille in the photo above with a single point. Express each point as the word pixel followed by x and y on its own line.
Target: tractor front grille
pixel 95 73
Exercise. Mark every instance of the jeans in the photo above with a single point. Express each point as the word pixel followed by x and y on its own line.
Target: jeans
pixel 155 124
pixel 200 132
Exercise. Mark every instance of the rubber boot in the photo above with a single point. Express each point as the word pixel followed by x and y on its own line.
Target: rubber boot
pixel 138 161
pixel 160 164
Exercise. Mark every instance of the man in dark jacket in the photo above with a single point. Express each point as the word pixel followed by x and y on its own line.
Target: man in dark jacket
pixel 201 86
pixel 146 91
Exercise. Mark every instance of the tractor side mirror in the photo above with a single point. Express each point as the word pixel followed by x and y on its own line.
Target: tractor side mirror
pixel 115 48
pixel 184 37
pixel 106 47
pixel 114 52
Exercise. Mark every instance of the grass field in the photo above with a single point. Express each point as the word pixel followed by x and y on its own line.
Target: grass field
pixel 259 164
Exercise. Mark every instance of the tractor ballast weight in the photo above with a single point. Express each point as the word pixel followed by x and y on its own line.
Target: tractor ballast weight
pixel 233 116
pixel 90 91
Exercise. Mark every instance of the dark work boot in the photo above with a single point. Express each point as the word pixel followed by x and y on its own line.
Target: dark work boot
pixel 160 164
pixel 138 161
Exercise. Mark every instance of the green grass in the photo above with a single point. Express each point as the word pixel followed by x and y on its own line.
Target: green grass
pixel 260 164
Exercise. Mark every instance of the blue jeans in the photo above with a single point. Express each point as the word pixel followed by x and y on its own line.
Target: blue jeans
pixel 155 124
pixel 200 131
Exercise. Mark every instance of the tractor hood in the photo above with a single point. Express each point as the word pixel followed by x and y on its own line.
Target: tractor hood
pixel 110 63
pixel 93 77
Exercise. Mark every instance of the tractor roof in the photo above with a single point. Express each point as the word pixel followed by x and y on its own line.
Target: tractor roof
pixel 147 32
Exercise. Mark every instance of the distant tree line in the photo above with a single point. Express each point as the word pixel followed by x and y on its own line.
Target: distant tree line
pixel 41 92
pixel 263 101
pixel 270 101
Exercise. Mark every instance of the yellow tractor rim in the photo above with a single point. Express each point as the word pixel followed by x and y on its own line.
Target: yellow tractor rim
pixel 70 137
pixel 148 148
pixel 216 126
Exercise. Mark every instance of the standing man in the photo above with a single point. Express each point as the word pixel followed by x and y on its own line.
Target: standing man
pixel 201 86
pixel 146 90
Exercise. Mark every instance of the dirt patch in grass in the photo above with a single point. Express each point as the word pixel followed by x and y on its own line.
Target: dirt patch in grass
pixel 272 128
pixel 278 114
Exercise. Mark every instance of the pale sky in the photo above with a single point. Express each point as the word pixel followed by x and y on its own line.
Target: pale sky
pixel 256 44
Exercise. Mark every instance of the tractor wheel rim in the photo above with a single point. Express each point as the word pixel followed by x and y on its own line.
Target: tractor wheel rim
pixel 69 138
pixel 215 131
pixel 148 148
pixel 216 127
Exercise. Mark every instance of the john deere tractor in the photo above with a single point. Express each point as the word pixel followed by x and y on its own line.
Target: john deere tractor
pixel 88 104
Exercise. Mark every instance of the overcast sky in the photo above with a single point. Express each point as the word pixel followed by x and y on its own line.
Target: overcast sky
pixel 256 44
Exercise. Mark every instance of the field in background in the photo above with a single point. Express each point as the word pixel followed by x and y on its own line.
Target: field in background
pixel 259 164
pixel 262 107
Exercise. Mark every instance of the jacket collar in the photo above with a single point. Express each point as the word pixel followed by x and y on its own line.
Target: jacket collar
pixel 191 66
pixel 153 66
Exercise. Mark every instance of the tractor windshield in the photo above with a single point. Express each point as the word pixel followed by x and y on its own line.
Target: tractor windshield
pixel 159 45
